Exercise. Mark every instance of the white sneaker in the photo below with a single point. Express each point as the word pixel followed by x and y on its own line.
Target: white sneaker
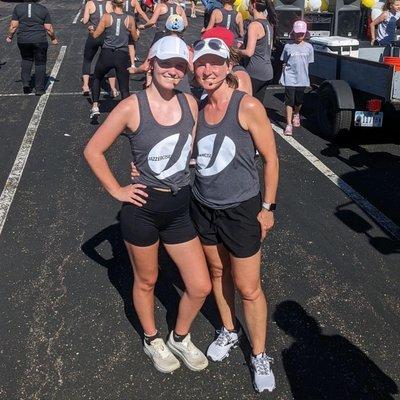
pixel 263 377
pixel 221 346
pixel 159 353
pixel 94 112
pixel 188 352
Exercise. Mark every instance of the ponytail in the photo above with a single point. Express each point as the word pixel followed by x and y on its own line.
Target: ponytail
pixel 232 81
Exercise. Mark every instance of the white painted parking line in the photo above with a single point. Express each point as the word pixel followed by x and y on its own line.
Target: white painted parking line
pixel 10 188
pixel 380 218
pixel 79 13
pixel 53 94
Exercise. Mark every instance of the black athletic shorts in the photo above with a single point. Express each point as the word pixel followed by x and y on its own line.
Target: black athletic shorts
pixel 294 95
pixel 164 217
pixel 237 228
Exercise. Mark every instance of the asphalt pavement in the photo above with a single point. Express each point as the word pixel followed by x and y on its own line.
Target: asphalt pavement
pixel 68 329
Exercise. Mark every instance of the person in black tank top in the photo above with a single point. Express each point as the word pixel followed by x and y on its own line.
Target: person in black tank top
pixel 118 28
pixel 162 124
pixel 227 208
pixel 258 44
pixel 228 18
pixel 32 24
pixel 93 12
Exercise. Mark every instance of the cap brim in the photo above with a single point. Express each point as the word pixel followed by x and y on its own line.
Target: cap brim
pixel 206 51
pixel 168 56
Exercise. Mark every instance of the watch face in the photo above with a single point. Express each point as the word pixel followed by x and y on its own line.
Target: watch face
pixel 272 207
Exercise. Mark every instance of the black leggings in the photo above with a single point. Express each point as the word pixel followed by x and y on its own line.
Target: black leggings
pixel 33 53
pixel 108 60
pixel 259 88
pixel 91 47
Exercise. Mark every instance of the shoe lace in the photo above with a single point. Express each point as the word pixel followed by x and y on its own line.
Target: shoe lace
pixel 262 365
pixel 160 348
pixel 190 346
pixel 223 338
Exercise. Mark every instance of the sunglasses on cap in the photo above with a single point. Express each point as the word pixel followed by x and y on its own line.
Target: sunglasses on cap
pixel 214 44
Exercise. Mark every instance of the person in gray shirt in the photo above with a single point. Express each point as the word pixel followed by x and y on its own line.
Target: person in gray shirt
pixel 31 22
pixel 296 57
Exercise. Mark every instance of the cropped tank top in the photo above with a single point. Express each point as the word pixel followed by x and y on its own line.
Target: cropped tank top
pixel 226 173
pixel 162 153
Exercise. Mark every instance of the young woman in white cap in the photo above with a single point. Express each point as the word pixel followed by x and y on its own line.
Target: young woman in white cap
pixel 230 214
pixel 155 209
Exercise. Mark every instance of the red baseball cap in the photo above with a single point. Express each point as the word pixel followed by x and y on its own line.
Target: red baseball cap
pixel 222 33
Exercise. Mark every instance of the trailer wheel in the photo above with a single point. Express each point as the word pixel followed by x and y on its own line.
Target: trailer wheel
pixel 331 119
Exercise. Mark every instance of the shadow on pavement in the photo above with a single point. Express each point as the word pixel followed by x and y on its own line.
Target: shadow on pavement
pixel 327 367
pixel 359 225
pixel 120 275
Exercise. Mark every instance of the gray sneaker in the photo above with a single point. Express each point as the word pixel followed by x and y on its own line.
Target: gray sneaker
pixel 188 353
pixel 222 345
pixel 159 353
pixel 263 377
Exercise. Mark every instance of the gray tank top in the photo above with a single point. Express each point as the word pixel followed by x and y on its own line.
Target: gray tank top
pixel 117 35
pixel 162 153
pixel 95 18
pixel 128 9
pixel 162 18
pixel 229 21
pixel 259 65
pixel 226 173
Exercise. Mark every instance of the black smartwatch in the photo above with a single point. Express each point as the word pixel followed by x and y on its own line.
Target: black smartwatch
pixel 269 206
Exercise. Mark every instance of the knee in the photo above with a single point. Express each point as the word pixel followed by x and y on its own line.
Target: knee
pixel 216 271
pixel 201 291
pixel 250 292
pixel 145 284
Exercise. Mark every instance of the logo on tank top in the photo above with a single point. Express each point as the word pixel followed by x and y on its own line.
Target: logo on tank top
pixel 160 155
pixel 118 27
pixel 205 148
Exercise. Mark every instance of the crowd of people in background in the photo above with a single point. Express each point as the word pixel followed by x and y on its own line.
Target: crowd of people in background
pixel 201 101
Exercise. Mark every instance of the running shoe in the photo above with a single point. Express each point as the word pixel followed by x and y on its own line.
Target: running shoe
pixel 159 353
pixel 288 130
pixel 263 377
pixel 94 112
pixel 222 345
pixel 114 93
pixel 296 120
pixel 194 359
pixel 40 92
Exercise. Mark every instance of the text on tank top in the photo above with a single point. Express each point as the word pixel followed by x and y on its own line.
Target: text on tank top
pixel 31 28
pixel 259 64
pixel 226 173
pixel 229 21
pixel 162 18
pixel 100 9
pixel 128 8
pixel 162 153
pixel 116 36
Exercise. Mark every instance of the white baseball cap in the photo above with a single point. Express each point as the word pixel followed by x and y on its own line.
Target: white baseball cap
pixel 214 46
pixel 169 47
